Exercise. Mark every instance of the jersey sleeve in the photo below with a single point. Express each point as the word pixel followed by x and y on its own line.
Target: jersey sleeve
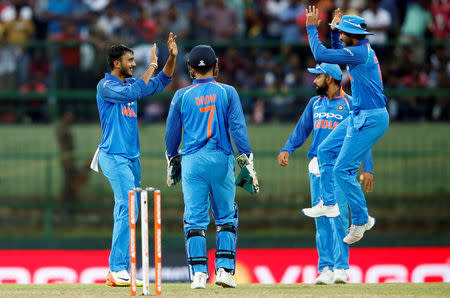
pixel 347 55
pixel 115 92
pixel 173 126
pixel 157 84
pixel 336 43
pixel 368 162
pixel 236 120
pixel 301 131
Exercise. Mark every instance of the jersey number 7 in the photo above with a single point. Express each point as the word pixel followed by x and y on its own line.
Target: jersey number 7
pixel 211 109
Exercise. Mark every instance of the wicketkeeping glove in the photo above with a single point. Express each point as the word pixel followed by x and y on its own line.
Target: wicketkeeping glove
pixel 173 170
pixel 247 176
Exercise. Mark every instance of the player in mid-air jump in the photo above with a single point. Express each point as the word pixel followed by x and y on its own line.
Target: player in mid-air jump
pixel 321 116
pixel 368 121
pixel 119 151
pixel 206 112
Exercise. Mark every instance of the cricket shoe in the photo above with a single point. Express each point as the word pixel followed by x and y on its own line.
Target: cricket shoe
pixel 322 210
pixel 120 279
pixel 340 276
pixel 357 232
pixel 326 277
pixel 224 279
pixel 199 280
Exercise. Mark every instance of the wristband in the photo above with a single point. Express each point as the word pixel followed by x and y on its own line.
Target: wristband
pixel 155 64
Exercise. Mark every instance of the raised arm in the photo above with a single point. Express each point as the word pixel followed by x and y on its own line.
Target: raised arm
pixel 350 55
pixel 335 42
pixel 169 68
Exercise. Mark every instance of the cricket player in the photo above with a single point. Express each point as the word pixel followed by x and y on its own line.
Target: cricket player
pixel 119 151
pixel 368 121
pixel 206 112
pixel 321 116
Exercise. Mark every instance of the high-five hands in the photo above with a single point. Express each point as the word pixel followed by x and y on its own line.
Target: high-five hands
pixel 312 16
pixel 337 18
pixel 153 57
pixel 172 45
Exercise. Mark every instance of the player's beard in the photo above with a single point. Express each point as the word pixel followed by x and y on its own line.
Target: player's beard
pixel 126 73
pixel 322 90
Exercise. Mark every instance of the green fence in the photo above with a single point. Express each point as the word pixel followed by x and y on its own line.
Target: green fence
pixel 412 167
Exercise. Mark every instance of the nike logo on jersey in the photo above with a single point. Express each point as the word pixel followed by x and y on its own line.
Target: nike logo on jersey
pixel 317 107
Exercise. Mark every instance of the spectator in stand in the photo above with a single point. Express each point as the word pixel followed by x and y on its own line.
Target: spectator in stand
pixel 440 10
pixel 351 6
pixel 110 22
pixel 176 21
pixel 290 31
pixel 379 22
pixel 219 20
pixel 8 65
pixel 272 11
pixel 146 27
pixel 56 12
pixel 417 21
pixel 70 56
pixel 19 30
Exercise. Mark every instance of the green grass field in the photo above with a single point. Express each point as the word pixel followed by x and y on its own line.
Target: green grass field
pixel 244 290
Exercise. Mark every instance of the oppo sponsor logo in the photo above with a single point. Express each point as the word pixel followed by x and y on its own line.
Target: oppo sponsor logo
pixel 328 115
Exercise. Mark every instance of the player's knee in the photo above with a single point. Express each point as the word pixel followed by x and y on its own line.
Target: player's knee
pixel 342 170
pixel 226 228
pixel 195 233
pixel 226 241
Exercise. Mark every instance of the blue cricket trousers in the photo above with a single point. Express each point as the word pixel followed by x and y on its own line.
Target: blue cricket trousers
pixel 208 181
pixel 123 174
pixel 333 252
pixel 340 156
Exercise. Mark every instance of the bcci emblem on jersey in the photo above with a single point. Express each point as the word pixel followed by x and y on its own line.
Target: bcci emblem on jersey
pixel 340 108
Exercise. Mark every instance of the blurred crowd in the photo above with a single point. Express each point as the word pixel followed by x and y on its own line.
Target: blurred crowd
pixel 411 41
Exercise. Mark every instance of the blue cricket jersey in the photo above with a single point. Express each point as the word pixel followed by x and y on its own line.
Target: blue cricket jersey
pixel 117 107
pixel 362 66
pixel 206 110
pixel 321 116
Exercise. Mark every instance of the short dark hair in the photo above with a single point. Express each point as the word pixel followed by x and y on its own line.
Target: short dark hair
pixel 115 52
pixel 203 70
pixel 337 82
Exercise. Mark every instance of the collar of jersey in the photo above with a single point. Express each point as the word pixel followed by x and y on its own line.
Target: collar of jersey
pixel 109 76
pixel 362 42
pixel 340 94
pixel 199 81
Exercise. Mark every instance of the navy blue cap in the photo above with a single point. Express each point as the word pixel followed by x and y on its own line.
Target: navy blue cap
pixel 332 70
pixel 202 56
pixel 352 24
